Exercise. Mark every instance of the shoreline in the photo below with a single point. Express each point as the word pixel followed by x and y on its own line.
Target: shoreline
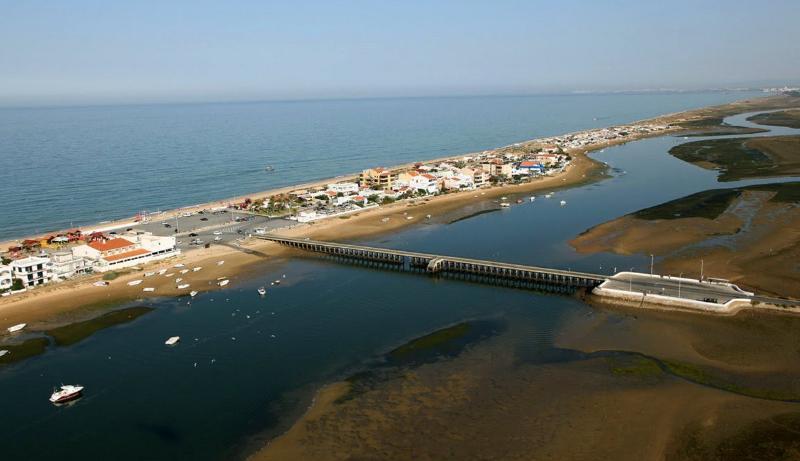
pixel 51 303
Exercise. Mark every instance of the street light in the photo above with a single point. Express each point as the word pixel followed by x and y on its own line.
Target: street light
pixel 651 263
pixel 679 284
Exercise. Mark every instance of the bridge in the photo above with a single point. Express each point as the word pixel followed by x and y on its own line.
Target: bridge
pixel 471 269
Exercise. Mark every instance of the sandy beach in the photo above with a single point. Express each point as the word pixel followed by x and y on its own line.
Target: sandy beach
pixel 63 302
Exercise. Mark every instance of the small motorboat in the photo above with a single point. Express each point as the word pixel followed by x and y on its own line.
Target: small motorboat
pixel 173 340
pixel 196 269
pixel 66 393
pixel 262 291
pixel 563 202
pixel 269 168
pixel 183 271
pixel 162 272
pixel 178 280
pixel 149 289
pixel 503 198
pixel 179 265
pixel 277 282
pixel 217 238
pixel 193 293
pixel 219 263
pixel 149 274
pixel 169 275
pixel 222 283
pixel 4 352
pixel 519 200
pixel 183 286
pixel 17 327
pixel 505 205
pixel 133 283
pixel 100 283
pixel 533 198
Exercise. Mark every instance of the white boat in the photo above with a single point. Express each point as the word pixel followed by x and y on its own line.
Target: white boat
pixel 503 198
pixel 66 393
pixel 179 265
pixel 100 283
pixel 222 283
pixel 505 204
pixel 183 271
pixel 277 282
pixel 533 198
pixel 17 327
pixel 178 280
pixel 162 272
pixel 193 293
pixel 563 202
pixel 183 286
pixel 172 340
pixel 196 269
pixel 217 232
pixel 149 274
pixel 133 283
pixel 169 275
pixel 262 291
pixel 219 263
pixel 217 238
pixel 149 289
pixel 4 352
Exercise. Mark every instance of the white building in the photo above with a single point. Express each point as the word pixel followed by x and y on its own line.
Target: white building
pixel 32 271
pixel 425 182
pixel 66 265
pixel 343 187
pixel 118 253
pixel 6 280
pixel 459 181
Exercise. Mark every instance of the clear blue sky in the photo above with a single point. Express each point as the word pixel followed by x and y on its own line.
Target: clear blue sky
pixel 84 51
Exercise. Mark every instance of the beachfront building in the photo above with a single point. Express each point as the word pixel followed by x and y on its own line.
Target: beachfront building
pixel 32 271
pixel 459 181
pixel 117 253
pixel 343 188
pixel 377 178
pixel 424 182
pixel 66 265
pixel 496 167
pixel 6 280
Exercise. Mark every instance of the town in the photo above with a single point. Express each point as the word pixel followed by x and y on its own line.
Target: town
pixel 64 255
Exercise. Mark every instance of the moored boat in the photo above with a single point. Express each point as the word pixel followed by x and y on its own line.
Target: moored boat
pixel 505 204
pixel 193 293
pixel 172 340
pixel 66 393
pixel 133 283
pixel 563 202
pixel 222 283
pixel 149 289
pixel 262 291
pixel 196 269
pixel 4 352
pixel 17 327
pixel 183 286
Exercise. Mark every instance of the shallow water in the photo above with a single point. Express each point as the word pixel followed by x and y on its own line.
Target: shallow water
pixel 245 363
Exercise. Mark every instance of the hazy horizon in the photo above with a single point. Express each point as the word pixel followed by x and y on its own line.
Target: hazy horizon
pixel 87 52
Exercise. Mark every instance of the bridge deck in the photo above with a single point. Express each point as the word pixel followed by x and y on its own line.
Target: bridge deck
pixel 435 261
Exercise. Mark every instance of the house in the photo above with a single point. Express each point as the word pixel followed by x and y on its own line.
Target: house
pixel 359 200
pixel 530 167
pixel 424 182
pixel 479 177
pixel 497 168
pixel 66 265
pixel 117 253
pixel 459 181
pixel 546 159
pixel 343 188
pixel 6 280
pixel 377 178
pixel 32 271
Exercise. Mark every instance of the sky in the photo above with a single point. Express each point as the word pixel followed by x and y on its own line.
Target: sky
pixel 85 51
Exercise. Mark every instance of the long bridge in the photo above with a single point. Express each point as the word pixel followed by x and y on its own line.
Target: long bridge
pixel 475 269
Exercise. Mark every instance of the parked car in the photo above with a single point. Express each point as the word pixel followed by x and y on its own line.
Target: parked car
pixel 203 219
pixel 192 235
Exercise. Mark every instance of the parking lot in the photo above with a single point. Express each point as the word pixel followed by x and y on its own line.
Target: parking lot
pixel 218 227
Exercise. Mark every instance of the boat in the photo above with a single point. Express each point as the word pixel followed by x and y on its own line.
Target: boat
pixel 217 238
pixel 269 168
pixel 548 195
pixel 217 232
pixel 149 289
pixel 196 269
pixel 533 198
pixel 178 280
pixel 505 204
pixel 169 275
pixel 4 352
pixel 100 283
pixel 503 198
pixel 66 393
pixel 173 340
pixel 162 272
pixel 277 282
pixel 519 200
pixel 193 293
pixel 219 263
pixel 133 283
pixel 262 291
pixel 184 271
pixel 222 283
pixel 427 216
pixel 563 202
pixel 183 286
pixel 179 265
pixel 149 274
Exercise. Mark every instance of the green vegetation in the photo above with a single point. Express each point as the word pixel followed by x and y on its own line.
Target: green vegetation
pixel 435 340
pixel 699 375
pixel 17 285
pixel 707 204
pixel 787 118
pixel 75 332
pixel 742 158
pixel 110 276
pixel 712 203
pixel 714 126
pixel 29 348
pixel 635 367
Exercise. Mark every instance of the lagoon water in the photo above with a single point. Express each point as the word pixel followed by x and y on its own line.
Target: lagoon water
pixel 246 365
pixel 71 166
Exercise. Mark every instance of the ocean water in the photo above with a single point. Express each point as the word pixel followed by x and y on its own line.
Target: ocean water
pixel 72 166
pixel 246 365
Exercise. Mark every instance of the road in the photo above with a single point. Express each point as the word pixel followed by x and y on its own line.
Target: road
pixel 700 291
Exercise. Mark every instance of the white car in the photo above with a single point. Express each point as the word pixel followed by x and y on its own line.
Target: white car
pixel 217 232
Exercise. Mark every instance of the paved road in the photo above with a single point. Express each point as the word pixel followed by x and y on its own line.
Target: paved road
pixel 675 288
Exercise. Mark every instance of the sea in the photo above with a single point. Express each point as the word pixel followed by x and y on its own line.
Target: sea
pixel 248 366
pixel 65 167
